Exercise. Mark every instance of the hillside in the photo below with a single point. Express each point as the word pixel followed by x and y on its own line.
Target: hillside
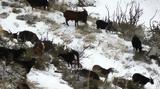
pixel 109 49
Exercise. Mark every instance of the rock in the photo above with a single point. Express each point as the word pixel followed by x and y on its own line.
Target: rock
pixel 30 19
pixel 4 3
pixel 17 11
pixel 4 15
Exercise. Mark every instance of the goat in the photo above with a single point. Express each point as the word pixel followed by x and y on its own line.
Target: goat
pixel 38 48
pixel 136 43
pixel 22 85
pixel 103 24
pixel 18 52
pixel 11 54
pixel 139 78
pixel 88 74
pixel 48 46
pixel 14 35
pixel 155 57
pixel 68 57
pixel 101 71
pixel 39 3
pixel 27 64
pixel 76 54
pixel 76 16
pixel 24 36
pixel 4 33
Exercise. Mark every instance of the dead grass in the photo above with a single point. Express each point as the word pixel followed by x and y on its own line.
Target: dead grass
pixel 126 84
pixel 128 31
pixel 90 38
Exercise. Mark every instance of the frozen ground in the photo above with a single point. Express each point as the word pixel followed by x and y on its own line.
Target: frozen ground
pixel 111 52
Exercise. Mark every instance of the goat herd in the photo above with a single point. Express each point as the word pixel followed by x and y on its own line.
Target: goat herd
pixel 71 57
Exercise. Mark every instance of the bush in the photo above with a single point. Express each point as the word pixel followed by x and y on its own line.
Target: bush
pixel 83 3
pixel 126 84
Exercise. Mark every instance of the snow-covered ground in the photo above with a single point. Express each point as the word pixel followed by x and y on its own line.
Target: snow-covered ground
pixel 112 51
pixel 48 79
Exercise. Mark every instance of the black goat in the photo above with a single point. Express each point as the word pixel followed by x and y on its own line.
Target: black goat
pixel 76 54
pixel 48 46
pixel 69 57
pixel 22 85
pixel 39 3
pixel 102 71
pixel 76 16
pixel 24 36
pixel 139 78
pixel 103 24
pixel 88 74
pixel 11 54
pixel 18 52
pixel 136 43
pixel 155 57
pixel 14 35
pixel 27 64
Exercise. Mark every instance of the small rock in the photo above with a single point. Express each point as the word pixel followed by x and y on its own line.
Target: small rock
pixel 4 3
pixel 17 11
pixel 4 15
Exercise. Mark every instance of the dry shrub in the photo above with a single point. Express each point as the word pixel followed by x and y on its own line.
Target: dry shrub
pixel 90 38
pixel 83 3
pixel 126 21
pixel 58 6
pixel 85 29
pixel 126 84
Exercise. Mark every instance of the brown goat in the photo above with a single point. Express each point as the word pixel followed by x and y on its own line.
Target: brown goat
pixel 76 16
pixel 38 48
pixel 101 71
pixel 4 33
pixel 88 74
pixel 23 86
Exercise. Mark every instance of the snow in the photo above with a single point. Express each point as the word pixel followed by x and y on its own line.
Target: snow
pixel 48 79
pixel 109 50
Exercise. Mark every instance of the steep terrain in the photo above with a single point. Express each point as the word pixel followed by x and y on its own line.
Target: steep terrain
pixel 106 48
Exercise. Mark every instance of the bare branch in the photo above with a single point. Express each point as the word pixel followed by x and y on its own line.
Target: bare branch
pixel 150 21
pixel 108 13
